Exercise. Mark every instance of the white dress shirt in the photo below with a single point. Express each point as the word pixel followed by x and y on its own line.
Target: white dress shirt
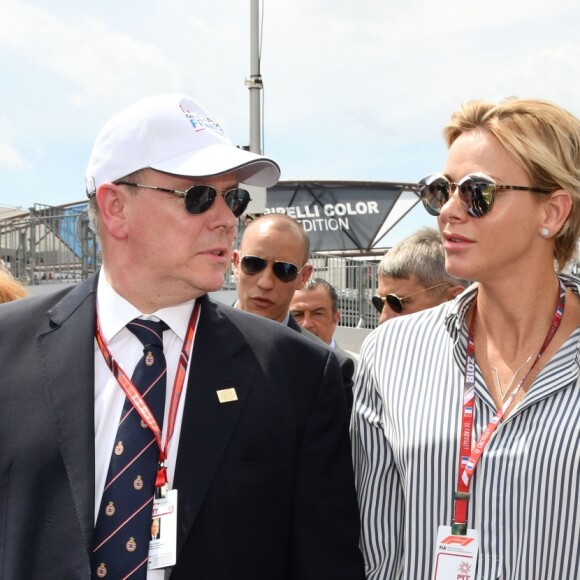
pixel 114 313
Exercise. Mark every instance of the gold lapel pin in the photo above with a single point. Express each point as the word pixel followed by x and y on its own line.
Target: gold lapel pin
pixel 227 395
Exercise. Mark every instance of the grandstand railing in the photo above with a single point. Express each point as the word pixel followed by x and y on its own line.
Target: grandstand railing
pixel 56 245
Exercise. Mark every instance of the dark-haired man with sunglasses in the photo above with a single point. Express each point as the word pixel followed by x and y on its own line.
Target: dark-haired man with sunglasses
pixel 270 266
pixel 315 309
pixel 134 395
pixel 412 276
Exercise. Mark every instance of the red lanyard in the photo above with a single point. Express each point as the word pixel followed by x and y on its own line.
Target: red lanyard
pixel 468 457
pixel 137 400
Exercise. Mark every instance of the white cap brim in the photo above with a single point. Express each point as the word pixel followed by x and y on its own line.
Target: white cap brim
pixel 218 159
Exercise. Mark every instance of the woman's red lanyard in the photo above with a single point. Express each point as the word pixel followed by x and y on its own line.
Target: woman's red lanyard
pixel 469 458
pixel 139 403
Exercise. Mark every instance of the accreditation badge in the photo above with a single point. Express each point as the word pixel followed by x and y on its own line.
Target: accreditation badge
pixel 455 556
pixel 163 543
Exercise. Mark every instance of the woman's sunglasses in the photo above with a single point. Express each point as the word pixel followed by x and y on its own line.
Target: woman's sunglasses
pixel 199 198
pixel 284 271
pixel 477 192
pixel 396 303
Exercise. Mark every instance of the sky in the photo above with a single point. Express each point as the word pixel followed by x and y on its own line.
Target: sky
pixel 353 89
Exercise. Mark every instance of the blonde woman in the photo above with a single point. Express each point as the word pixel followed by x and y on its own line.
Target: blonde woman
pixel 466 428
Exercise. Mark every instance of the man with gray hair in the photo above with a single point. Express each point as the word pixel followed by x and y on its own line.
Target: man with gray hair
pixel 412 276
pixel 315 308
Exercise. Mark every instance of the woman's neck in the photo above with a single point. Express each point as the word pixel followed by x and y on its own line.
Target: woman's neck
pixel 511 328
pixel 515 320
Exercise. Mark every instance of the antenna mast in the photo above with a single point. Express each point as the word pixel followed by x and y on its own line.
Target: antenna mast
pixel 254 83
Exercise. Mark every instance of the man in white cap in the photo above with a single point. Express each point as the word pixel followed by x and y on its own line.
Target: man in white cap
pixel 135 396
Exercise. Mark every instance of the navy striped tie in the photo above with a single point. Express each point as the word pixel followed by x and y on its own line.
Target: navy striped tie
pixel 121 537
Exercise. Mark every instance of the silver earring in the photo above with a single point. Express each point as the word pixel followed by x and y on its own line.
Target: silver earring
pixel 544 232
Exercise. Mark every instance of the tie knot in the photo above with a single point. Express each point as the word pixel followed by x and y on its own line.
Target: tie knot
pixel 149 332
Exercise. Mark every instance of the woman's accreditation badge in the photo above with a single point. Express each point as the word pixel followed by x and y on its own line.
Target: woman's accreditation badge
pixel 455 556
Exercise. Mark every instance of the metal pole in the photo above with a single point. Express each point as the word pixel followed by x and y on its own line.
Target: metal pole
pixel 30 255
pixel 254 83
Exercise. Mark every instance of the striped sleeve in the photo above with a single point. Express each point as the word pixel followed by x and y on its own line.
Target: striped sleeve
pixel 376 476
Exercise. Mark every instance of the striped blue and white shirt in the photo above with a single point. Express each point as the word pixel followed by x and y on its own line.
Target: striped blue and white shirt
pixel 525 494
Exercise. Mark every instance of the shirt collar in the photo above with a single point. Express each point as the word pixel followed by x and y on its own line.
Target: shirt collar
pixel 571 282
pixel 458 310
pixel 115 312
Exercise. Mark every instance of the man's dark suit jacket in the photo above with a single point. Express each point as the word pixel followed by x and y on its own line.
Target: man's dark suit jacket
pixel 346 363
pixel 265 483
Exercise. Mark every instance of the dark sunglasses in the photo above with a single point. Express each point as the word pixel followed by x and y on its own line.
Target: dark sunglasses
pixel 396 303
pixel 284 271
pixel 477 192
pixel 199 198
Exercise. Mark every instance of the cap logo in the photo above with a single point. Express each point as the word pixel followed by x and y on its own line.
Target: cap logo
pixel 200 123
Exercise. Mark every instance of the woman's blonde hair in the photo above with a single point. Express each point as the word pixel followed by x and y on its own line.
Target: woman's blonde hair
pixel 544 139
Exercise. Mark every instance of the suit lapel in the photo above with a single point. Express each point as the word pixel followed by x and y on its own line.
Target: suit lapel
pixel 65 346
pixel 221 361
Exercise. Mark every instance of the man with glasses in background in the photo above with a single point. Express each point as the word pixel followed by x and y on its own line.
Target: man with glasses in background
pixel 134 395
pixel 412 276
pixel 270 265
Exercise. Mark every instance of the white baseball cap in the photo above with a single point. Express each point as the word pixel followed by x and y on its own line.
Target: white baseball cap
pixel 174 134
